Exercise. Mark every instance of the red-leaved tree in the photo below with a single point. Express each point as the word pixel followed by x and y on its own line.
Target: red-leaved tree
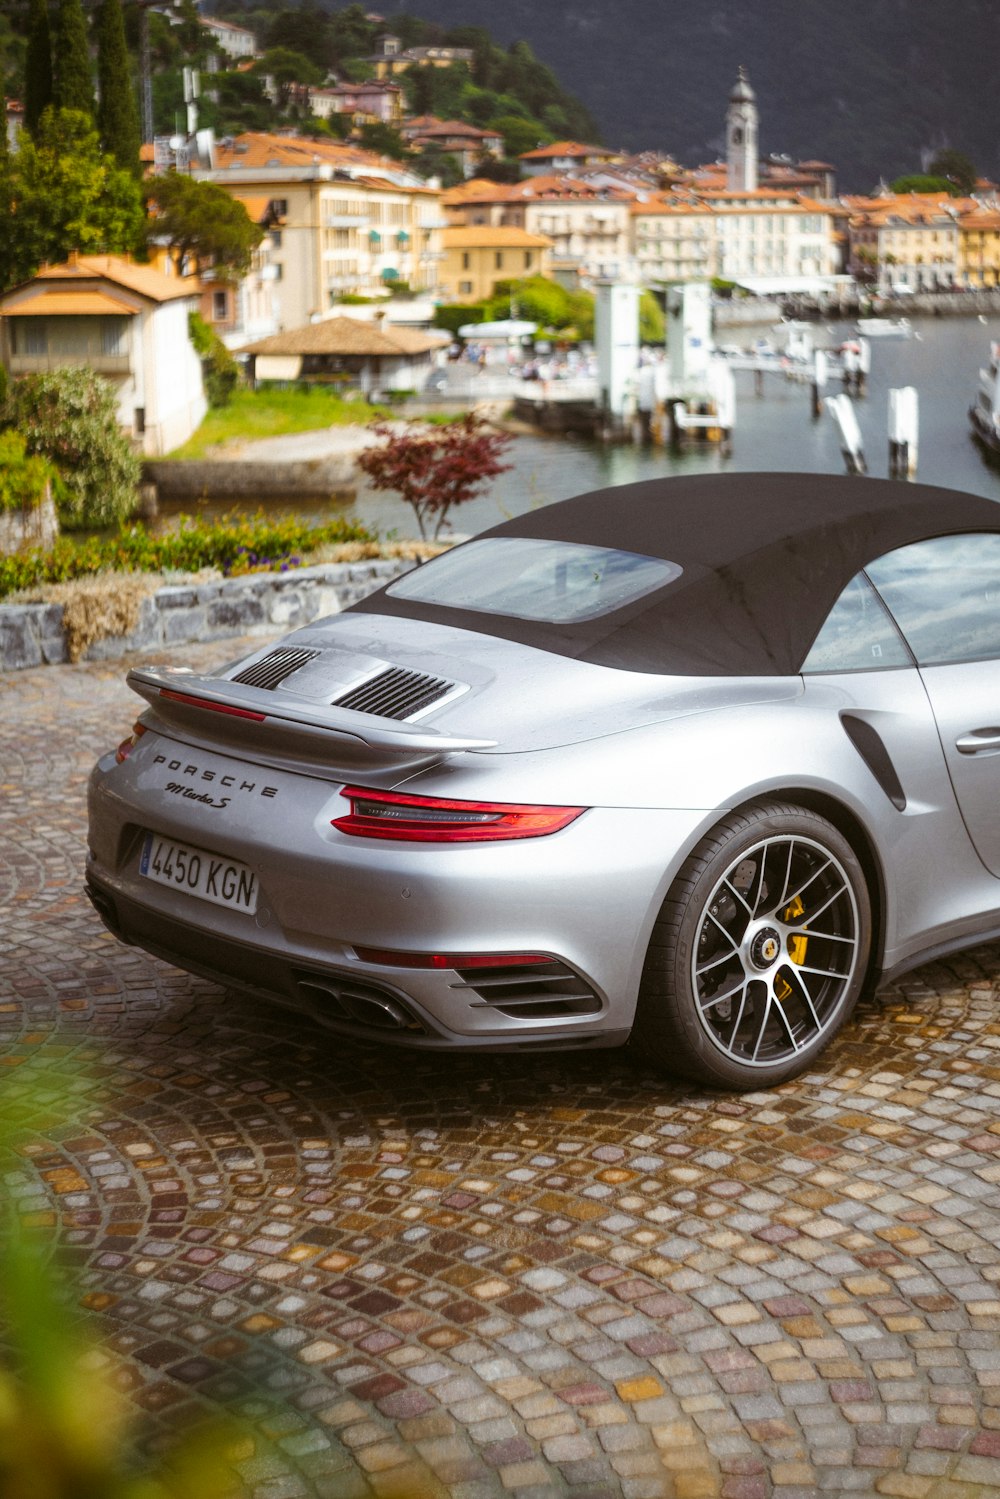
pixel 435 468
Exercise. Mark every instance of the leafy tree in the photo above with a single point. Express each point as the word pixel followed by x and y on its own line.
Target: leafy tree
pixel 200 221
pixel 37 66
pixel 519 135
pixel 433 162
pixel 69 195
pixel 240 104
pixel 73 87
pixel 535 298
pixel 287 68
pixel 351 34
pixel 919 182
pixel 304 30
pixel 69 416
pixel 384 140
pixel 435 469
pixel 957 168
pixel 652 329
pixel 499 170
pixel 117 114
pixel 12 52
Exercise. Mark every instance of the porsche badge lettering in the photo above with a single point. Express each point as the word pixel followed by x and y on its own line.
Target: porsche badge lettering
pixel 210 777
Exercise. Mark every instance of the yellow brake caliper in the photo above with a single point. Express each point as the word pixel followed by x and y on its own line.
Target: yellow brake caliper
pixel 796 949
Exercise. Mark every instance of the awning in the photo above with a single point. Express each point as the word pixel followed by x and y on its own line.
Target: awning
pixel 508 328
pixel 777 286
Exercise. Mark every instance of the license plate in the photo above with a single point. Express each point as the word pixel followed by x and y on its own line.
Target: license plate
pixel 226 882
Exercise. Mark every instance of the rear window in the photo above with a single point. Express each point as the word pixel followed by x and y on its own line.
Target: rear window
pixel 559 582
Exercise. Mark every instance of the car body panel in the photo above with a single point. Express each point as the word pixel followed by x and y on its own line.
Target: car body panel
pixel 966 702
pixel 250 762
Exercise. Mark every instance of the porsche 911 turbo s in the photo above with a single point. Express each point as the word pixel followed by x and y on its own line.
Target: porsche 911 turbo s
pixel 694 761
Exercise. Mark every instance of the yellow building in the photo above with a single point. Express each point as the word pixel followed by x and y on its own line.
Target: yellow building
pixel 477 256
pixel 342 221
pixel 589 226
pixel 907 240
pixel 979 247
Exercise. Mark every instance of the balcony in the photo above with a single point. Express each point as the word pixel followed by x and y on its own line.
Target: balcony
pixel 346 220
pixel 41 364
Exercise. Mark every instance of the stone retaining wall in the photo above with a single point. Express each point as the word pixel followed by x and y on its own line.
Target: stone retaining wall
pixel 259 604
pixel 195 479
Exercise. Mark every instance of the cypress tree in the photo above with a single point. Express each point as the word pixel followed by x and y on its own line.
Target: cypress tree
pixel 37 66
pixel 117 112
pixel 71 58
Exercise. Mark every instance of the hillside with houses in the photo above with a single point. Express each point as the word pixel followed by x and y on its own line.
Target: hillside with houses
pixel 347 201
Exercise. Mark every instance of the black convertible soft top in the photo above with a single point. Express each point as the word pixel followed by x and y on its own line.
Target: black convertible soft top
pixel 764 556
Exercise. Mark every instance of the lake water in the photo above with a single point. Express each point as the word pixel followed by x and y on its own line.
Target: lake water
pixel 773 431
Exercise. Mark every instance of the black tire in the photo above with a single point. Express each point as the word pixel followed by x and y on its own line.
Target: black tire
pixel 759 952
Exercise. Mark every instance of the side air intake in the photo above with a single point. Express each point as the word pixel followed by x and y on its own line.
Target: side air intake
pixel 396 693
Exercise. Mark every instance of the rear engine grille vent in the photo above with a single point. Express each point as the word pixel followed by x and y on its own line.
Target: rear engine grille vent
pixel 396 693
pixel 538 991
pixel 273 668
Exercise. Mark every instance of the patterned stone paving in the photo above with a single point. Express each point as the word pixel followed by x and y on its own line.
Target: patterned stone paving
pixel 495 1276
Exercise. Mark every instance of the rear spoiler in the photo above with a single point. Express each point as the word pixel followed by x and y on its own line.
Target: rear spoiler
pixel 251 717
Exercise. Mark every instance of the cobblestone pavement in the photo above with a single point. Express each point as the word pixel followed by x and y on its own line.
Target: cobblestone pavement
pixel 483 1276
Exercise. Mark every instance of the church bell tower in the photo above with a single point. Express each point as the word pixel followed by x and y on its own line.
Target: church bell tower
pixel 741 137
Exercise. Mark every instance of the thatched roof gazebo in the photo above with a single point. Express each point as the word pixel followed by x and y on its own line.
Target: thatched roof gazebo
pixel 374 355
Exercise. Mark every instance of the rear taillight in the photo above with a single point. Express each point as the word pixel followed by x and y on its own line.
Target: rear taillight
pixel 434 819
pixel 389 957
pixel 128 745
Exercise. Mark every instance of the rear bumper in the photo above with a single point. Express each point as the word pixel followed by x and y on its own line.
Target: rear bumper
pixel 585 898
pixel 364 1005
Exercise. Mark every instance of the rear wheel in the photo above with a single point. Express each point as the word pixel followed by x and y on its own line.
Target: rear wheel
pixel 759 952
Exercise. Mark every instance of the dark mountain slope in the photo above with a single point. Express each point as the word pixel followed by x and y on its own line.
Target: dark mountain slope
pixel 866 84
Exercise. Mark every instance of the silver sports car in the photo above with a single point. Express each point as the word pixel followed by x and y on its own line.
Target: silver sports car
pixel 693 761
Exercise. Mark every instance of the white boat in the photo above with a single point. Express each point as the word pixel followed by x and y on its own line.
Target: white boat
pixel 885 327
pixel 984 413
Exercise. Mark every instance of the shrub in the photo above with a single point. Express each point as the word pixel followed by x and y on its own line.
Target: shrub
pixel 218 367
pixel 234 545
pixel 69 416
pixel 24 480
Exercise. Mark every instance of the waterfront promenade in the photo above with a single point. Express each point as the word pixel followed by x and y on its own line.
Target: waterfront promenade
pixel 473 1277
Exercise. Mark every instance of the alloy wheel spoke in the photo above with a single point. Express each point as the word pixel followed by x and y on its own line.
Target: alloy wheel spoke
pixel 829 902
pixel 768 1006
pixel 785 899
pixel 733 942
pixel 795 973
pixel 706 967
pixel 825 973
pixel 718 999
pixel 738 895
pixel 789 897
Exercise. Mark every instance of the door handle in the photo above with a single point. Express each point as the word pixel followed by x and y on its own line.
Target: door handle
pixel 977 741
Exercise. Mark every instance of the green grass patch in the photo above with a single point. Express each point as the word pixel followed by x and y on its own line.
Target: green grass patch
pixel 251 414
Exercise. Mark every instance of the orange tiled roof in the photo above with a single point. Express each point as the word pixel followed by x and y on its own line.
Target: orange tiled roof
pixel 55 303
pixel 154 285
pixel 564 148
pixel 479 236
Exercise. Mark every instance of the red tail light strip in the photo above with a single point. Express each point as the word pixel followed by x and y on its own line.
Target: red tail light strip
pixel 433 819
pixel 128 745
pixel 204 702
pixel 387 958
